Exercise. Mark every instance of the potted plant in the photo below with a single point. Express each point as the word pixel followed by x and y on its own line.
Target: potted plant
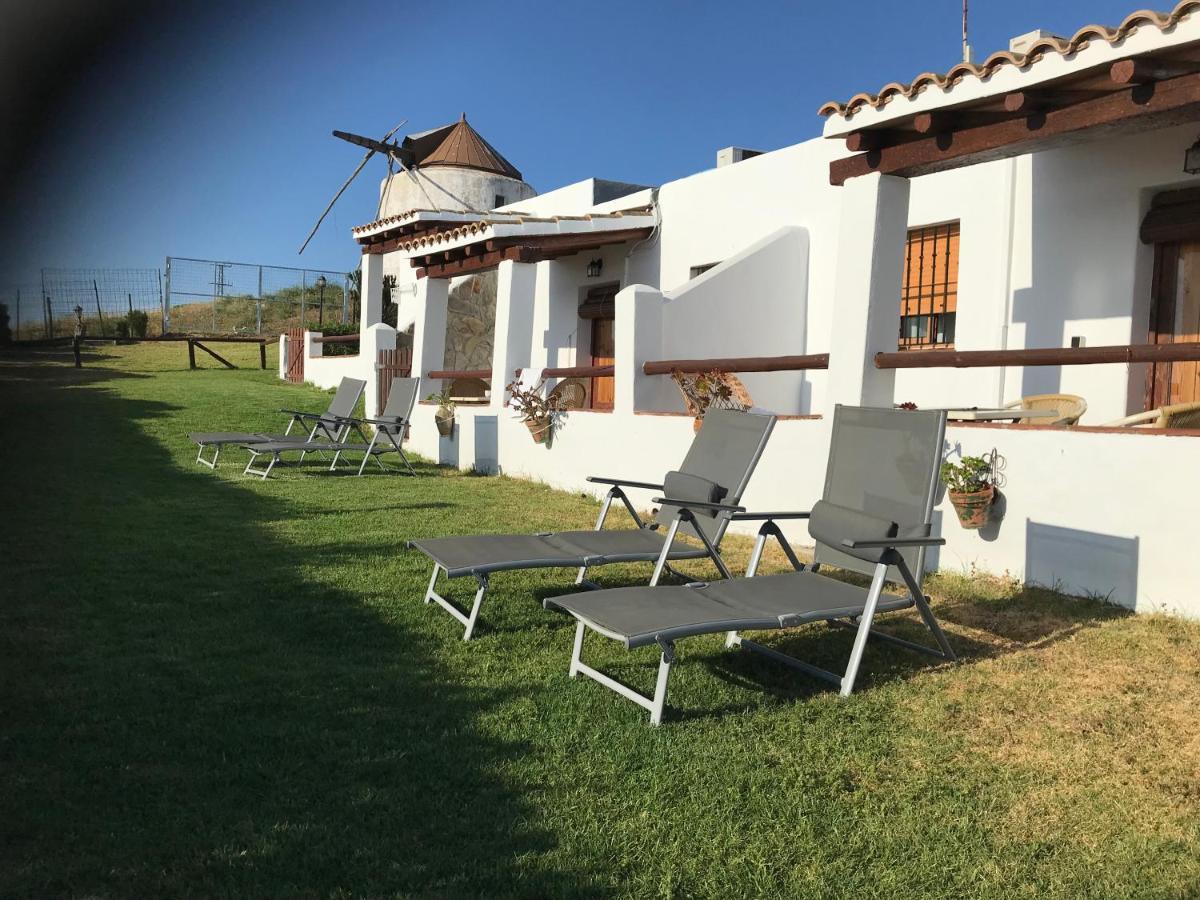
pixel 534 409
pixel 444 417
pixel 972 489
pixel 703 390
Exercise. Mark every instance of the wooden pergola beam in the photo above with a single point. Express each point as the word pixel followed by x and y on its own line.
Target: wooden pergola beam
pixel 528 249
pixel 1154 105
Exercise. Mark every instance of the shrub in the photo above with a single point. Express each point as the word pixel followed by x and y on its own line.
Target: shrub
pixel 137 323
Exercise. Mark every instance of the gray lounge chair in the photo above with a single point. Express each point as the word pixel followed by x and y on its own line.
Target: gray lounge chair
pixel 875 518
pixel 390 428
pixel 318 426
pixel 717 467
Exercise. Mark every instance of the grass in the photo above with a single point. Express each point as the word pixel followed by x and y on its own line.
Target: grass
pixel 212 685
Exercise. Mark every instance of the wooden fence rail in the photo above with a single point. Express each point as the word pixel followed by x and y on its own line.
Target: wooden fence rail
pixel 1050 356
pixel 485 374
pixel 579 372
pixel 739 364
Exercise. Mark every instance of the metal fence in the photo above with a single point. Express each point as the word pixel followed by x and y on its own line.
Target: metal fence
pixel 213 297
pixel 105 297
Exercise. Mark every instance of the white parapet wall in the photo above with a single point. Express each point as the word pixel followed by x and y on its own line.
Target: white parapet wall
pixel 328 371
pixel 1084 512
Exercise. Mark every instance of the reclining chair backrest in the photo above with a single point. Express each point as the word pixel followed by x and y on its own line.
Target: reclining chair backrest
pixel 345 400
pixel 402 397
pixel 724 452
pixel 884 463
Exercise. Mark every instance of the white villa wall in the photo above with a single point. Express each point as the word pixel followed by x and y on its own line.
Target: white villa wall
pixel 1087 513
pixel 752 304
pixel 1077 267
pixel 328 371
pixel 1049 250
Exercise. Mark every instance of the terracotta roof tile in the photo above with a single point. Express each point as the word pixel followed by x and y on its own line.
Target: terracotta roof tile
pixel 430 239
pixel 464 147
pixel 1163 21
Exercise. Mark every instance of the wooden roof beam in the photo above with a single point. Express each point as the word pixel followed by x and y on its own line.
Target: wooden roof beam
pixel 1155 105
pixel 1036 101
pixel 1144 70
pixel 939 121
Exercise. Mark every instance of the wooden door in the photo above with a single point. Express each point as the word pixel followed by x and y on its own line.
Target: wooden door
pixel 294 371
pixel 391 364
pixel 1175 318
pixel 603 354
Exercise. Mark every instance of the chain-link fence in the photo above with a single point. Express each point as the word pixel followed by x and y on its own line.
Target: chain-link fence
pixel 112 303
pixel 24 310
pixel 205 296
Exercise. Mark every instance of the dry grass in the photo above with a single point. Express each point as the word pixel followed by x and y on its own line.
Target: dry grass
pixel 233 689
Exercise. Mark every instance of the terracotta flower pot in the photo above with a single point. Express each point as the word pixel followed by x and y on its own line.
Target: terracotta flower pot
pixel 974 508
pixel 445 423
pixel 539 429
pixel 697 422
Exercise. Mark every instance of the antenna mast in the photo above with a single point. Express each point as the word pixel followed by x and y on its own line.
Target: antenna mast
pixel 966 47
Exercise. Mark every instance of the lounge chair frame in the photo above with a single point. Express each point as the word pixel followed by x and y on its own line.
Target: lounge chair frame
pixel 298 417
pixel 685 514
pixel 861 621
pixel 725 456
pixel 375 448
pixel 392 424
pixel 330 437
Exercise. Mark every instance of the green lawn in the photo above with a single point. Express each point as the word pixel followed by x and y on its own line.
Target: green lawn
pixel 212 685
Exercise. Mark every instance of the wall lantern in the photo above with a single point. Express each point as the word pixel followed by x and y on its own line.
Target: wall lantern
pixel 594 267
pixel 1191 159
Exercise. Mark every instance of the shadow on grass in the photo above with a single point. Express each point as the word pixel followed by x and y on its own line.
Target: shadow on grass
pixel 979 625
pixel 185 712
pixel 50 367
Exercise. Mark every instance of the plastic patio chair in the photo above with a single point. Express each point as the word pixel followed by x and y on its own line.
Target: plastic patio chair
pixel 570 393
pixel 1070 408
pixel 1177 415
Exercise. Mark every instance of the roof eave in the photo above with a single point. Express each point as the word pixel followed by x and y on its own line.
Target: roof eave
pixel 1003 73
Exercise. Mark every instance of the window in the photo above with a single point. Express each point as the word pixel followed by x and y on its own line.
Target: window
pixel 701 269
pixel 929 299
pixel 499 201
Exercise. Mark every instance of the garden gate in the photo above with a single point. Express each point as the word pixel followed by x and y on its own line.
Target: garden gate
pixel 295 355
pixel 391 364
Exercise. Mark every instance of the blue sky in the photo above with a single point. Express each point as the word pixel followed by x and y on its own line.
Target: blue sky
pixel 212 138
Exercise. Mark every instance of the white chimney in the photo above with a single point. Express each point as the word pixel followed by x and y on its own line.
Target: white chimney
pixel 1022 42
pixel 731 155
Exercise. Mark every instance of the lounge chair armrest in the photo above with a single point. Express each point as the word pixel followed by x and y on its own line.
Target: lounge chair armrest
pixel 624 482
pixel 398 420
pixel 698 504
pixel 894 542
pixel 760 516
pixel 302 414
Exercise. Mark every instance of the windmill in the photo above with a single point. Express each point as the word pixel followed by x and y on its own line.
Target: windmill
pixel 393 151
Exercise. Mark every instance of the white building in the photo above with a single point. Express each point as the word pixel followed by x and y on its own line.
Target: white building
pixel 1037 201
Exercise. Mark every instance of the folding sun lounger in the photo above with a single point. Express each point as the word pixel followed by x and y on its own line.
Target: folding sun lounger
pixel 390 428
pixel 717 467
pixel 875 518
pixel 324 426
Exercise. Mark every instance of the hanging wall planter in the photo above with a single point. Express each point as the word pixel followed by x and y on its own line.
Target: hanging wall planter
pixel 539 429
pixel 536 411
pixel 974 508
pixel 972 489
pixel 444 417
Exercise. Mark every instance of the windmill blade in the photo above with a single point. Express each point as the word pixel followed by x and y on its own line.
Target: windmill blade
pixel 362 164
